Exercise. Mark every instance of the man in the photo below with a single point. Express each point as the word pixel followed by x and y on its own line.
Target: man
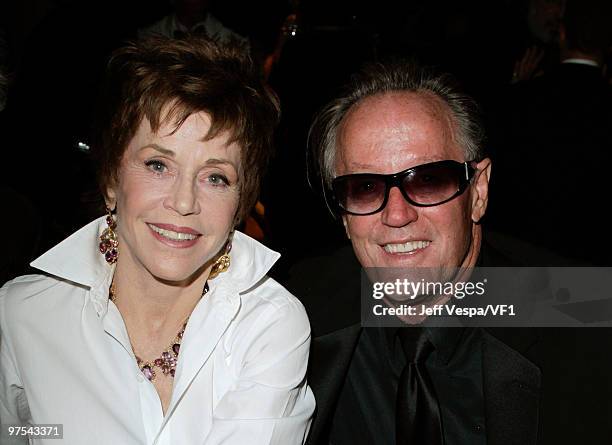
pixel 419 141
pixel 192 16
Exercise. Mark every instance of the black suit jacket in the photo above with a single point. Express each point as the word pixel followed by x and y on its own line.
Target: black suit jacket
pixel 522 402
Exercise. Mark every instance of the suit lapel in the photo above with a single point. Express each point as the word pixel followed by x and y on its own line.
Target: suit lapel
pixel 330 356
pixel 511 386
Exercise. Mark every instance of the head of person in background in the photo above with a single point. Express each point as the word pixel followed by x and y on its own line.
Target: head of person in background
pixel 585 34
pixel 402 153
pixel 543 18
pixel 191 11
pixel 193 17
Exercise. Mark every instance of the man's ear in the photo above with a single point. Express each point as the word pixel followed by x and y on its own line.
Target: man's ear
pixel 480 189
pixel 345 223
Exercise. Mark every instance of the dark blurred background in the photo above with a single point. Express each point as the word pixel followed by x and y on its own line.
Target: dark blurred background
pixel 549 132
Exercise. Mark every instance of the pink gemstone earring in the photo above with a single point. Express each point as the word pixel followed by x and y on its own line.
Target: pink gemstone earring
pixel 108 240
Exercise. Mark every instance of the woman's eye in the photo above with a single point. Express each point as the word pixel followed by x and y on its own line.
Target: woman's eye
pixel 156 166
pixel 218 180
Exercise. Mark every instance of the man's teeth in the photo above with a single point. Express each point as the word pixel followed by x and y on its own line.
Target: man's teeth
pixel 406 247
pixel 177 236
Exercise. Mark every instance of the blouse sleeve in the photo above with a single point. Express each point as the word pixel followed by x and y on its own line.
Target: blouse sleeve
pixel 270 402
pixel 13 403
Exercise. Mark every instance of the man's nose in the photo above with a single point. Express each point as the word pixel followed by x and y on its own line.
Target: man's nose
pixel 182 198
pixel 398 212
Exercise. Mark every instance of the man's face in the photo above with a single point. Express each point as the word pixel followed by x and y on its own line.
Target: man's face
pixel 392 132
pixel 544 18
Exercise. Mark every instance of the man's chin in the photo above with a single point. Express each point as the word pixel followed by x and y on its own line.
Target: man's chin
pixel 417 258
pixel 420 304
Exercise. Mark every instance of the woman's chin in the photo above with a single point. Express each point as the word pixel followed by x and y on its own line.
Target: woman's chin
pixel 177 276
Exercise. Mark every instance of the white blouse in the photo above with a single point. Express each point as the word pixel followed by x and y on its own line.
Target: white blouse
pixel 65 356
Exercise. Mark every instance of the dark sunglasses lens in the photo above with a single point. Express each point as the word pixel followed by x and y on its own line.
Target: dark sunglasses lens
pixel 360 194
pixel 434 184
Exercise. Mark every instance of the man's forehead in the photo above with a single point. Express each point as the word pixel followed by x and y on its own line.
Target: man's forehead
pixel 397 128
pixel 402 102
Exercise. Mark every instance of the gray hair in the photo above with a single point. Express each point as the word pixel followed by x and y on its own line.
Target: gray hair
pixel 383 78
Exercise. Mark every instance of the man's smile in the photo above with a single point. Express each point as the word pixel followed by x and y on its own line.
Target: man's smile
pixel 406 247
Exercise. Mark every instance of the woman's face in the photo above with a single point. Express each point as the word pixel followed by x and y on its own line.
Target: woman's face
pixel 176 199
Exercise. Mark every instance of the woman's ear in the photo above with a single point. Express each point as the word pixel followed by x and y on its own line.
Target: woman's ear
pixel 110 198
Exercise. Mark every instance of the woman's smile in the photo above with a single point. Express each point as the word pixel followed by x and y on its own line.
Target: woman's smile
pixel 174 236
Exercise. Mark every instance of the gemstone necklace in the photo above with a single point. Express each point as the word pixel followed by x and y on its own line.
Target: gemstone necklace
pixel 166 362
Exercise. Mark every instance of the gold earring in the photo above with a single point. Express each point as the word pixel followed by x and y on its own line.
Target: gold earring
pixel 222 263
pixel 109 245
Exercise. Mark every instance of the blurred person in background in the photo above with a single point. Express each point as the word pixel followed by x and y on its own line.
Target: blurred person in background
pixel 558 127
pixel 192 16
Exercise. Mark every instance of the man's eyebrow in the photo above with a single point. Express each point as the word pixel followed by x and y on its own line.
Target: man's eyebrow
pixel 159 148
pixel 360 166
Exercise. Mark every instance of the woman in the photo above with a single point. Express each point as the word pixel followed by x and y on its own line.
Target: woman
pixel 157 323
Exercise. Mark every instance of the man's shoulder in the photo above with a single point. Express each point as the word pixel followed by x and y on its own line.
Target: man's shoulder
pixel 324 270
pixel 576 372
pixel 217 30
pixel 504 250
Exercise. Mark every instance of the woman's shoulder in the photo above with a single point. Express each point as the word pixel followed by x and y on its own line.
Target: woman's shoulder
pixel 269 303
pixel 22 296
pixel 271 323
pixel 27 286
pixel 269 293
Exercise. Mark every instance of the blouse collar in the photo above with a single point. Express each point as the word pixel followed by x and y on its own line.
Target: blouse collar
pixel 78 260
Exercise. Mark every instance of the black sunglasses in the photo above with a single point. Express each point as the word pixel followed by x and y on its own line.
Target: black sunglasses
pixel 423 186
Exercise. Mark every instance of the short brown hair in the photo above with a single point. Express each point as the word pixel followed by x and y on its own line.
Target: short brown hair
pixel 190 75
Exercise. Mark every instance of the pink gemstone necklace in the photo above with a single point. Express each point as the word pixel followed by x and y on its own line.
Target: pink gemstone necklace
pixel 166 362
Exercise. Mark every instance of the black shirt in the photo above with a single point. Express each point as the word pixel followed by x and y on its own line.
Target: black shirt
pixel 366 406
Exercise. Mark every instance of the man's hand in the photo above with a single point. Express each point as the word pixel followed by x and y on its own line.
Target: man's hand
pixel 525 68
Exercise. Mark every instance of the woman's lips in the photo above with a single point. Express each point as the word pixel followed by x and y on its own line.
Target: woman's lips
pixel 177 229
pixel 174 236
